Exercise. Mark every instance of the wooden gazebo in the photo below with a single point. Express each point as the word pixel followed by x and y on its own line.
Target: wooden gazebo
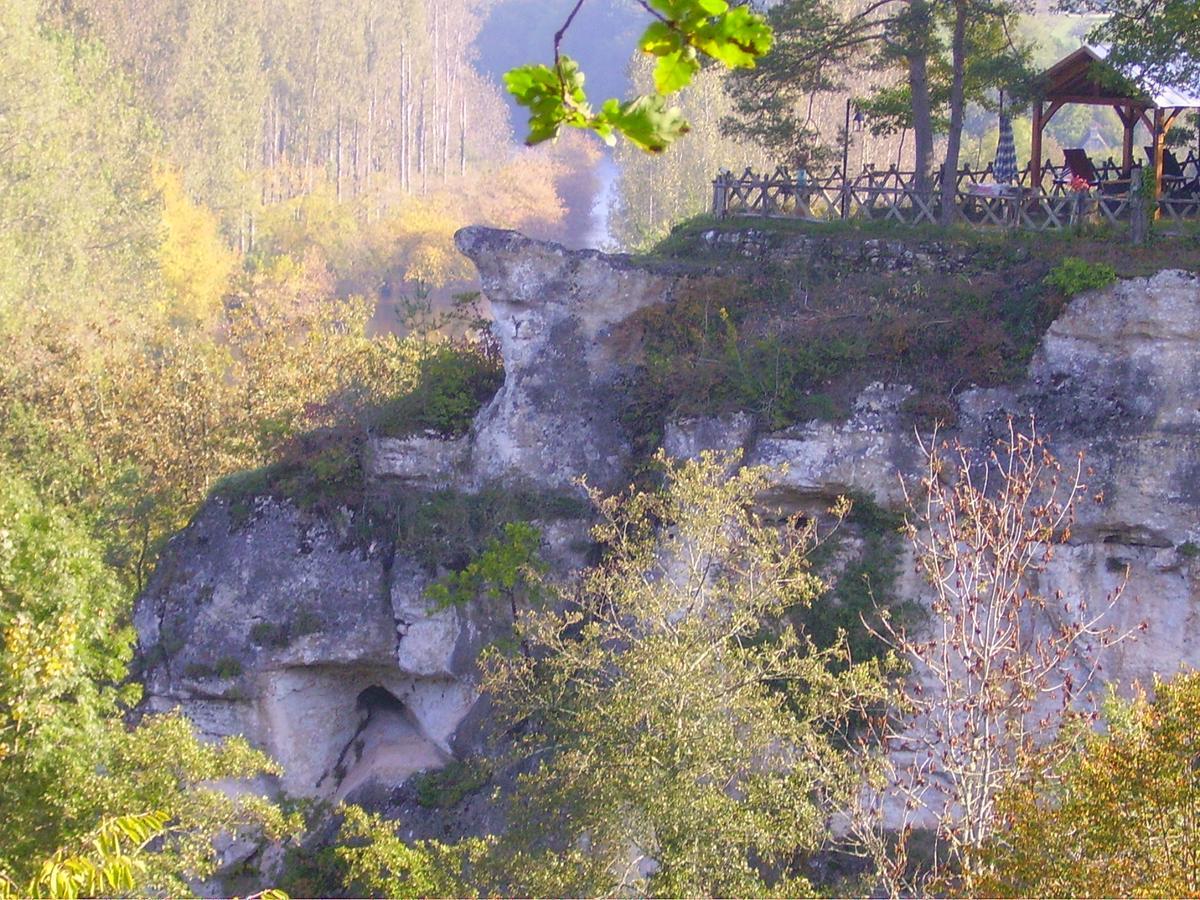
pixel 1086 77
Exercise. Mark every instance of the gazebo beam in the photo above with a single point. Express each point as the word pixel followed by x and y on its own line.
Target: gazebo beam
pixel 1035 149
pixel 1163 119
pixel 1159 138
pixel 1097 100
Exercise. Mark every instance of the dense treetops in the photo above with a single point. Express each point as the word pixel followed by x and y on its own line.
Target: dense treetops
pixel 149 347
pixel 194 195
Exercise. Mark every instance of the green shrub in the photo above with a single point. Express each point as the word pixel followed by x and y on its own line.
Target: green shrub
pixel 454 379
pixel 305 622
pixel 228 667
pixel 449 529
pixel 864 586
pixel 266 634
pixel 271 634
pixel 508 569
pixel 446 787
pixel 1074 276
pixel 314 872
pixel 929 410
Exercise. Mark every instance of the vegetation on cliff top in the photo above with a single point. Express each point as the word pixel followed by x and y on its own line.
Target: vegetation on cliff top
pixel 817 312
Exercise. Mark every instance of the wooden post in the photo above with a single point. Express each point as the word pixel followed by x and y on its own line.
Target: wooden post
pixel 1016 206
pixel 1159 142
pixel 846 161
pixel 720 197
pixel 1035 150
pixel 1138 224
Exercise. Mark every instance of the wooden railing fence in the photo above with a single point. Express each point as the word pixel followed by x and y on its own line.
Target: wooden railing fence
pixel 893 195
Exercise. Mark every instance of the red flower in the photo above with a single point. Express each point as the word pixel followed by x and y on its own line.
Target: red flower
pixel 1079 184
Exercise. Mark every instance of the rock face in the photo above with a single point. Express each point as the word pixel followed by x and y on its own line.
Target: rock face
pixel 323 649
pixel 1117 378
pixel 864 454
pixel 324 653
pixel 555 312
pixel 1118 375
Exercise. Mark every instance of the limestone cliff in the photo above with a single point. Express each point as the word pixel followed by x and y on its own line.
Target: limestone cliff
pixel 322 648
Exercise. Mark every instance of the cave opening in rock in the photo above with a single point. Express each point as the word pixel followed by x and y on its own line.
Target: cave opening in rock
pixel 387 746
pixel 378 700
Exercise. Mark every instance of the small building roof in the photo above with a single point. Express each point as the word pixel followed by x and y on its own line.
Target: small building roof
pixel 1079 77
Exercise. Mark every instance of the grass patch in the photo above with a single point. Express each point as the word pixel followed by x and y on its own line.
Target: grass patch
pixel 1169 247
pixel 796 333
pixel 318 471
pixel 1074 276
pixel 448 529
pixel 321 470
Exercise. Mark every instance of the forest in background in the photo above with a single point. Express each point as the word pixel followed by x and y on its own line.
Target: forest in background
pixel 210 210
pixel 205 205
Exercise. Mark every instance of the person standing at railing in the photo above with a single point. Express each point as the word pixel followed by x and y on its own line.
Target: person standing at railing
pixel 801 190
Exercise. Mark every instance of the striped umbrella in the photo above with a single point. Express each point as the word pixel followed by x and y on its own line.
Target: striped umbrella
pixel 1004 169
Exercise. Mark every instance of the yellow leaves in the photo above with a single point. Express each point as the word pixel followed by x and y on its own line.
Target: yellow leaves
pixel 314 221
pixel 1120 816
pixel 196 263
pixel 40 664
pixel 109 862
pixel 419 237
pixel 524 194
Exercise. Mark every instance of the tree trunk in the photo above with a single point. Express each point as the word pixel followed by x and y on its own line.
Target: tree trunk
pixel 462 135
pixel 405 119
pixel 337 156
pixel 958 49
pixel 918 80
pixel 421 135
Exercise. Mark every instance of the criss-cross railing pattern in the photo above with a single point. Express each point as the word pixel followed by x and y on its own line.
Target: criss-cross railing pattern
pixel 893 195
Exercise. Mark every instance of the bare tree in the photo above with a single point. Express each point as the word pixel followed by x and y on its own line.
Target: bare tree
pixel 1000 666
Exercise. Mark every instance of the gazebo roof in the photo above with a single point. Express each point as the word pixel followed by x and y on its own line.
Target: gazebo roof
pixel 1086 76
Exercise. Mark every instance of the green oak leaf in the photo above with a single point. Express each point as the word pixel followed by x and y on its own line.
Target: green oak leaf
pixel 675 70
pixel 647 121
pixel 669 9
pixel 659 38
pixel 555 97
pixel 737 39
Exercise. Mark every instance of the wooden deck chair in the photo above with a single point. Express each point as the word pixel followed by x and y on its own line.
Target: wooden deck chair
pixel 1175 182
pixel 1079 163
pixel 1171 166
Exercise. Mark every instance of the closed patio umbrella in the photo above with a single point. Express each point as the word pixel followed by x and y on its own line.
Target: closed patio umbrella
pixel 1004 169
